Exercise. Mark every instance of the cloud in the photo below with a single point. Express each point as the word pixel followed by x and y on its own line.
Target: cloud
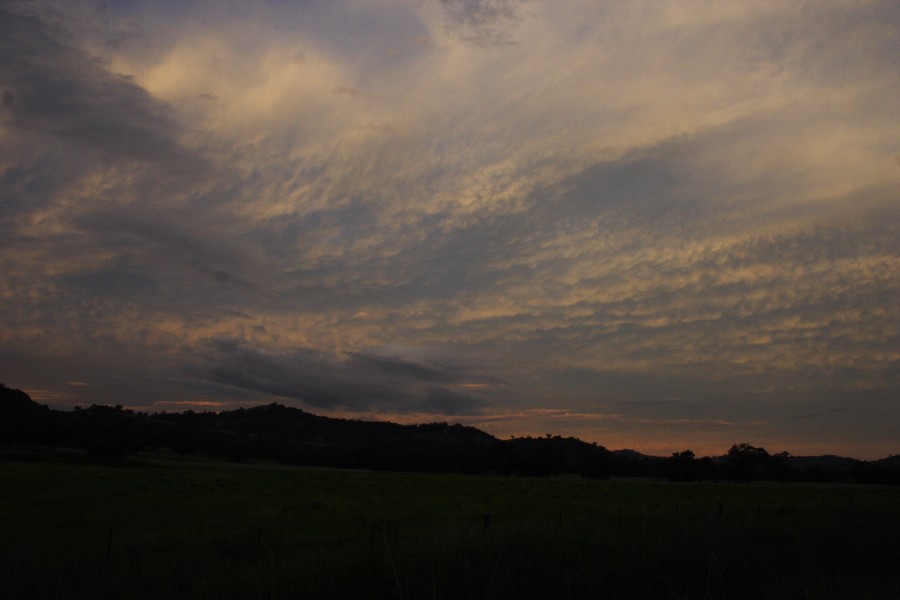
pixel 403 367
pixel 364 382
pixel 483 22
pixel 822 413
pixel 54 88
pixel 169 242
pixel 623 207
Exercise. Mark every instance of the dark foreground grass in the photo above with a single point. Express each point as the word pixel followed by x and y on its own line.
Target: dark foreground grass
pixel 143 530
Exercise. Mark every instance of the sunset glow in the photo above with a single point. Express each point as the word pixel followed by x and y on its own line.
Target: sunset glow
pixel 650 225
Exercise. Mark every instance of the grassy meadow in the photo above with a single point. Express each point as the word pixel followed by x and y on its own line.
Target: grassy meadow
pixel 142 528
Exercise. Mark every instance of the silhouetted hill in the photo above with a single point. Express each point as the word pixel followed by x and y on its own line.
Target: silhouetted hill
pixel 16 402
pixel 555 455
pixel 634 455
pixel 828 461
pixel 21 419
pixel 293 436
pixel 885 471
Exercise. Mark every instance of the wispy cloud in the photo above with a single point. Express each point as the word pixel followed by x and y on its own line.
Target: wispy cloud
pixel 821 414
pixel 365 381
pixel 459 207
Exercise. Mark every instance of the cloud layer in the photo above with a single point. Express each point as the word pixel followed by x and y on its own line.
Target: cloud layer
pixel 677 217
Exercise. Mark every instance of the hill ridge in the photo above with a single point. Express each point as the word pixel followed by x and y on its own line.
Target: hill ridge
pixel 292 435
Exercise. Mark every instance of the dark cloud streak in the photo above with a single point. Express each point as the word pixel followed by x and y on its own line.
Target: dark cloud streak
pixel 55 88
pixel 365 382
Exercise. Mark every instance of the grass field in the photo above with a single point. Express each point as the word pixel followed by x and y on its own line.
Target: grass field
pixel 172 529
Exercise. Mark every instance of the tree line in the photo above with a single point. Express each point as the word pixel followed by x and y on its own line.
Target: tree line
pixel 293 436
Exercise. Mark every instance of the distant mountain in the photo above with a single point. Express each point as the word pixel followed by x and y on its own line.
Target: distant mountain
pixel 293 436
pixel 21 419
pixel 827 462
pixel 18 403
pixel 890 461
pixel 635 455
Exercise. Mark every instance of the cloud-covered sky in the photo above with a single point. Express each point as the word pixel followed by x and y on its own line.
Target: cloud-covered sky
pixel 656 225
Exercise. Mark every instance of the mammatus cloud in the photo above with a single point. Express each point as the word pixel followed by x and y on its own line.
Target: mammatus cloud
pixel 528 209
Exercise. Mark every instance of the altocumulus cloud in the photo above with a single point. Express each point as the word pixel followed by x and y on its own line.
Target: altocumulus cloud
pixel 678 217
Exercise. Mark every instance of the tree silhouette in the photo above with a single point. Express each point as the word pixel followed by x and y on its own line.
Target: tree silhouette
pixel 749 463
pixel 682 466
pixel 292 436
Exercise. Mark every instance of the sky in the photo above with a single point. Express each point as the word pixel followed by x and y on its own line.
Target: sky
pixel 653 225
